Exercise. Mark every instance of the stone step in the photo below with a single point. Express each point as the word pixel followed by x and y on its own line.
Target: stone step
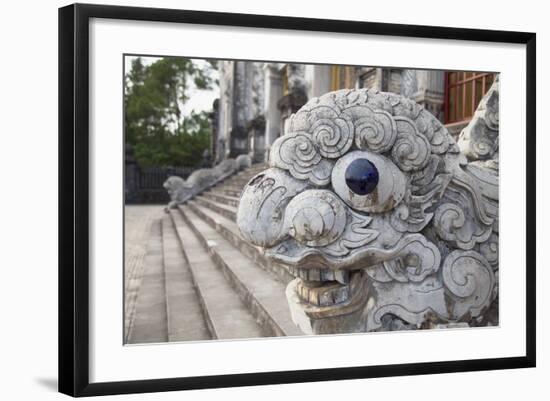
pixel 264 296
pixel 229 190
pixel 257 167
pixel 247 174
pixel 240 181
pixel 225 210
pixel 226 315
pixel 253 171
pixel 230 185
pixel 221 198
pixel 243 176
pixel 233 182
pixel 149 323
pixel 185 318
pixel 230 231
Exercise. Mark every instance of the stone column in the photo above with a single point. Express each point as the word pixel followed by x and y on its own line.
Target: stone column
pixel 225 110
pixel 430 91
pixel 273 92
pixel 392 80
pixel 296 95
pixel 408 83
pixel 238 143
pixel 214 122
pixel 256 135
pixel 320 80
pixel 371 78
pixel 256 124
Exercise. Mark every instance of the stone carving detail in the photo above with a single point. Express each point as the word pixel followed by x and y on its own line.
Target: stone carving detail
pixel 333 136
pixel 479 139
pixel 315 218
pixel 463 290
pixel 181 190
pixel 374 130
pixel 261 216
pixel 411 150
pixel 451 224
pixel 297 153
pixel 489 249
pixel 408 240
pixel 470 280
pixel 435 133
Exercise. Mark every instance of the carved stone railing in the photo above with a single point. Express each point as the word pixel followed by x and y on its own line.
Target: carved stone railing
pixel 479 139
pixel 180 190
pixel 385 224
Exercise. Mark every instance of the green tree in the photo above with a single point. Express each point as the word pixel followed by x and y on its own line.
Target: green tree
pixel 154 123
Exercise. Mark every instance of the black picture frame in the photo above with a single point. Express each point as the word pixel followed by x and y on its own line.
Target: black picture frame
pixel 74 198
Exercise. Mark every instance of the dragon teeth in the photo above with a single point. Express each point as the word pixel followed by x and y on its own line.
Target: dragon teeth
pixel 341 276
pixel 323 295
pixel 321 275
pixel 326 299
pixel 314 275
pixel 327 275
pixel 314 297
pixel 342 295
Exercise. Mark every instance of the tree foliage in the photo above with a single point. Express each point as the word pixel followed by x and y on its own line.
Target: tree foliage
pixel 154 123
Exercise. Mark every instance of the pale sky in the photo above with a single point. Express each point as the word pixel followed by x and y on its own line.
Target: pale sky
pixel 199 99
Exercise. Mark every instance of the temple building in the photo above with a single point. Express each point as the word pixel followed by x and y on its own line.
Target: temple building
pixel 257 98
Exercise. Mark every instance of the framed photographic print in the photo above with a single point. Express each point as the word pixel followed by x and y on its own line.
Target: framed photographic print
pixel 251 199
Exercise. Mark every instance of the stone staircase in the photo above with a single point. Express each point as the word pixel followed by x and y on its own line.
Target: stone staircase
pixel 202 281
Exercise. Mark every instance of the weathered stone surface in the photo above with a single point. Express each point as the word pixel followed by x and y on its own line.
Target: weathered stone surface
pixel 143 274
pixel 261 209
pixel 417 248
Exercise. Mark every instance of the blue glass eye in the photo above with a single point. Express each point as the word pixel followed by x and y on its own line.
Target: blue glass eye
pixel 361 176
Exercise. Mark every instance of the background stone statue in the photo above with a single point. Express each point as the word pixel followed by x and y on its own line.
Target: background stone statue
pixel 243 161
pixel 384 222
pixel 181 190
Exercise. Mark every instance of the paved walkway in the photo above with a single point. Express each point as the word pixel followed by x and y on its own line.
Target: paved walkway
pixel 139 221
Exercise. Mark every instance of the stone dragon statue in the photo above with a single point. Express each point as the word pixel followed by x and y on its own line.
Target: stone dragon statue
pixel 385 221
pixel 180 190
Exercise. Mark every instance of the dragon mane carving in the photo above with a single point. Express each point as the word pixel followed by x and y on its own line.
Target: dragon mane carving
pixel 385 221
